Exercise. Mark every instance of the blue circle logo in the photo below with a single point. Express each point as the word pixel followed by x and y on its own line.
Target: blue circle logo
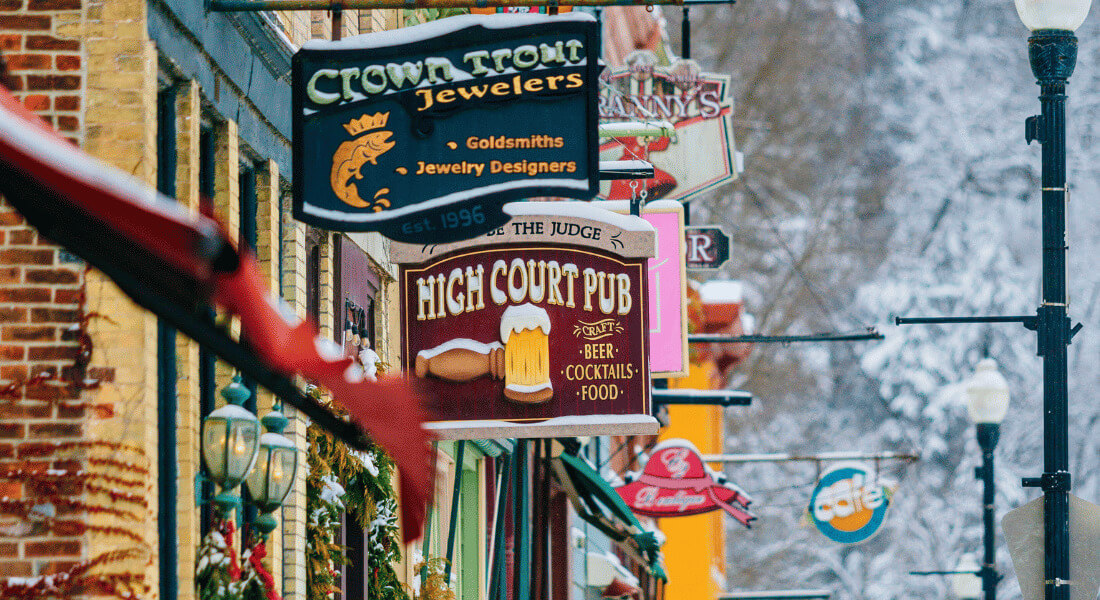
pixel 849 504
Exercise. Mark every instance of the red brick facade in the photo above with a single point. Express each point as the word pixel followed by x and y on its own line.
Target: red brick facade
pixel 43 347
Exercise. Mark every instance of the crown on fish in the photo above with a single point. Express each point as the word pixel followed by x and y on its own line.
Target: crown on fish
pixel 366 123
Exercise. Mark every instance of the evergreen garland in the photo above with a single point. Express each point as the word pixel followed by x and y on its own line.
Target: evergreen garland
pixel 358 484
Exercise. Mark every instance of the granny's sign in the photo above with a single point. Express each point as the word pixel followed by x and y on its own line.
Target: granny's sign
pixel 849 503
pixel 536 329
pixel 423 133
pixel 701 156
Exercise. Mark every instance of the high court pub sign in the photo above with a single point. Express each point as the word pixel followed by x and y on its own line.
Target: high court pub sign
pixel 535 329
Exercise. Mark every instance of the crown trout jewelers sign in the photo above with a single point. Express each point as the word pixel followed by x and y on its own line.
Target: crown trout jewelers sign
pixel 423 133
pixel 535 329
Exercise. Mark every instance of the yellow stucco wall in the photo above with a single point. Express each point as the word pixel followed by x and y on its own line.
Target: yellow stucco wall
pixel 695 551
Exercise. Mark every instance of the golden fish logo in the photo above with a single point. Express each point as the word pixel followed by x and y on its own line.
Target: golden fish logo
pixel 352 155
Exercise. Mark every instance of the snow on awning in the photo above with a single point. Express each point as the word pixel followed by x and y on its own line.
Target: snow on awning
pixel 172 261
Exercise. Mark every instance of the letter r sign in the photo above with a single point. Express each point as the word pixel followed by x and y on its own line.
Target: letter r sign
pixel 706 247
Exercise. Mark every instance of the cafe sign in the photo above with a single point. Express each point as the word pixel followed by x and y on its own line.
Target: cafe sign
pixel 849 503
pixel 423 133
pixel 699 157
pixel 535 329
pixel 675 482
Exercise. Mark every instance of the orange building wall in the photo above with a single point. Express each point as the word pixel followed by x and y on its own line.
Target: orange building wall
pixel 695 550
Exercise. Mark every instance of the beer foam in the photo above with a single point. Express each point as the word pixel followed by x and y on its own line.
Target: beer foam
pixel 523 316
pixel 463 343
pixel 529 389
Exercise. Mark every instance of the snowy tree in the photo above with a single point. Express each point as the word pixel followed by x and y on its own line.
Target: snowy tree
pixel 886 174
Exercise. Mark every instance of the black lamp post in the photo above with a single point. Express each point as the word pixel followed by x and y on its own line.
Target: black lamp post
pixel 1052 49
pixel 987 395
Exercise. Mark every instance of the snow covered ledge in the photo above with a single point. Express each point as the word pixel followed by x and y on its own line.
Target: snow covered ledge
pixel 588 425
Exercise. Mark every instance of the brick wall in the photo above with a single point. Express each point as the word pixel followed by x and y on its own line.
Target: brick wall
pixel 43 410
pixel 46 70
pixel 40 405
pixel 69 403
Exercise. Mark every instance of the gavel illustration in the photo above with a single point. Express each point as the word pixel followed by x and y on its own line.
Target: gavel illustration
pixel 462 362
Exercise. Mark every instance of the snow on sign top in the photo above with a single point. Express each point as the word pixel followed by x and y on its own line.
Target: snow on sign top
pixel 722 291
pixel 584 224
pixel 441 27
pixel 584 210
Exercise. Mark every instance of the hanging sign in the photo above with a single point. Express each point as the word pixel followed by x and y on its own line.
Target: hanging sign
pixel 849 503
pixel 675 482
pixel 707 248
pixel 702 154
pixel 423 133
pixel 535 329
pixel 668 353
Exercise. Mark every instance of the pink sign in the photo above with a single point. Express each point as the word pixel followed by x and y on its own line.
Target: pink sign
pixel 668 354
pixel 676 483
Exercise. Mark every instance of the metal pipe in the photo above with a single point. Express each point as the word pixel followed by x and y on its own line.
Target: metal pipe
pixel 662 129
pixel 452 526
pixel 936 320
pixel 685 34
pixel 988 434
pixel 1053 55
pixel 778 595
pixel 625 169
pixel 704 338
pixel 265 5
pixel 497 573
pixel 819 457
pixel 702 397
pixel 522 525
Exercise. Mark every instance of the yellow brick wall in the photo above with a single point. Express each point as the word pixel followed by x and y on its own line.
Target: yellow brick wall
pixel 294 508
pixel 120 129
pixel 188 122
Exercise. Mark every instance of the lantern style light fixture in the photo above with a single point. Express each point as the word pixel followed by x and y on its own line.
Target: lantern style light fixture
pixel 230 441
pixel 273 475
pixel 1065 15
pixel 965 583
pixel 987 402
pixel 987 394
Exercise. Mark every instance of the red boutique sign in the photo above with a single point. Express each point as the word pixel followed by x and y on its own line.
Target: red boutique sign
pixel 519 332
pixel 676 483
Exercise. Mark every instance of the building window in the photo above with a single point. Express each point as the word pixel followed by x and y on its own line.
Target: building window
pixel 354 300
pixel 247 184
pixel 207 362
pixel 167 470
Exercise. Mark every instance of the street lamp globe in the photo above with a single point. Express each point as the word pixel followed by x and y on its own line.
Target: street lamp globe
pixel 965 584
pixel 987 394
pixel 271 479
pixel 230 440
pixel 1066 15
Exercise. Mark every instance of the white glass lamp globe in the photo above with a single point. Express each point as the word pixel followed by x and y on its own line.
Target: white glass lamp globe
pixel 1066 15
pixel 987 393
pixel 966 585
